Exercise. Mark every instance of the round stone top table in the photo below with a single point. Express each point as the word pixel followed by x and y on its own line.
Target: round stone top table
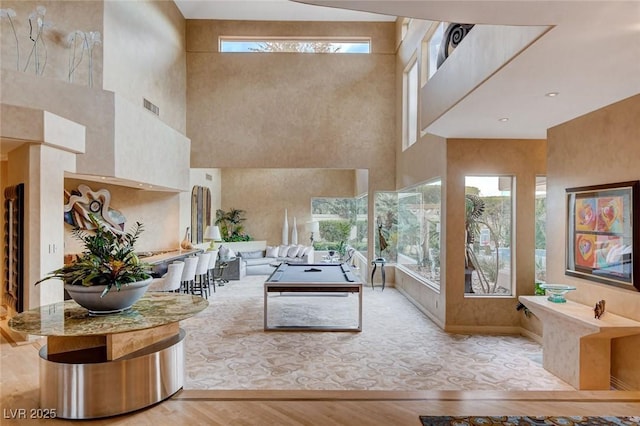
pixel 70 319
pixel 134 358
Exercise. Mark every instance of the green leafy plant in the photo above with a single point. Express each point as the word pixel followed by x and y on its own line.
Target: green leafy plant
pixel 230 223
pixel 108 259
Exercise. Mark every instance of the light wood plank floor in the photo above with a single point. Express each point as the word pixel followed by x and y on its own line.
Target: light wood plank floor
pixel 19 390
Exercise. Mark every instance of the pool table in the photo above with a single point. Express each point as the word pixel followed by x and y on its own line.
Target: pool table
pixel 313 279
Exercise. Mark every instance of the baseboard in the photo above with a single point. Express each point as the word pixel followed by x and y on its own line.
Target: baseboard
pixel 421 308
pixel 483 329
pixel 531 335
pixel 619 385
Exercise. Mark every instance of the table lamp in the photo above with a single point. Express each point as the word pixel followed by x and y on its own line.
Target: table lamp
pixel 313 227
pixel 212 233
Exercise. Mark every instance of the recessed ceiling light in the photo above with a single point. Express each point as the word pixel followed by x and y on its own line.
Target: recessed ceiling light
pixel 552 94
pixel 503 119
pixel 103 177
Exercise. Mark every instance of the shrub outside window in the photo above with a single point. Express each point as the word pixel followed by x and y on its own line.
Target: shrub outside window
pixel 419 230
pixel 337 222
pixel 489 249
pixel 541 232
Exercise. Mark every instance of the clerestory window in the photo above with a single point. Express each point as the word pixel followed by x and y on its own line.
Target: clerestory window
pixel 294 45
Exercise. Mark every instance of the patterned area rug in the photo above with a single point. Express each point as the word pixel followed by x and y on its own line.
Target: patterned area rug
pixel 528 421
pixel 398 349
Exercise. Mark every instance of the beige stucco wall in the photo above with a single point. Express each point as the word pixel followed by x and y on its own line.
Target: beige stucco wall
pixel 292 110
pixel 277 110
pixel 523 159
pixel 145 42
pixel 597 148
pixel 265 194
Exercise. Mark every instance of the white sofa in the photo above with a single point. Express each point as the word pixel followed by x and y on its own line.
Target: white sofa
pixel 261 262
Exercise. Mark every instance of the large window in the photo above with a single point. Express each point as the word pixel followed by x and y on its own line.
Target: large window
pixel 410 104
pixel 362 225
pixel 419 230
pixel 541 231
pixel 386 225
pixel 337 222
pixel 489 249
pixel 294 45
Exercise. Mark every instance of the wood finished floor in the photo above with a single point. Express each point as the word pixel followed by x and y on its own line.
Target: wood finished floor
pixel 19 389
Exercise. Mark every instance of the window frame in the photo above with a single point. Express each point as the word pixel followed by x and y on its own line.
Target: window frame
pixel 291 39
pixel 410 121
pixel 512 239
pixel 414 189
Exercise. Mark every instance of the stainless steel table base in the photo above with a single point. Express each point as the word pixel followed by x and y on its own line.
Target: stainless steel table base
pixel 79 387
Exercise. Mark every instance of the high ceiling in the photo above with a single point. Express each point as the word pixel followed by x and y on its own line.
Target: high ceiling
pixel 591 56
pixel 270 10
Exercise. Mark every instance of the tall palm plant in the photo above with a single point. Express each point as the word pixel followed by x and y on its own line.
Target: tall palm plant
pixel 230 224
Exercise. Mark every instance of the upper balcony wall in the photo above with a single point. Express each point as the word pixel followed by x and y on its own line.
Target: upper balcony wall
pixel 122 140
pixel 91 108
pixel 144 56
pixel 483 52
pixel 147 150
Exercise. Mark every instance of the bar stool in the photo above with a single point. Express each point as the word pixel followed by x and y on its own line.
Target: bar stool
pixel 170 281
pixel 202 273
pixel 212 266
pixel 189 273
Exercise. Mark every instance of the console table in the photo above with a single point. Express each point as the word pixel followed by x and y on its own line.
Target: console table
pixel 577 347
pixel 100 366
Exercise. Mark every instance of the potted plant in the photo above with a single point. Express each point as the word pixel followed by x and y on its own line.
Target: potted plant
pixel 108 276
pixel 230 224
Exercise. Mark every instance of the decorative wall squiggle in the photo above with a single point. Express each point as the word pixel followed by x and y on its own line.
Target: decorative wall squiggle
pixel 452 38
pixel 84 201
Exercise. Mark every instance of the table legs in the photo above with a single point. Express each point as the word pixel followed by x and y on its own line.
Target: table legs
pixel 375 264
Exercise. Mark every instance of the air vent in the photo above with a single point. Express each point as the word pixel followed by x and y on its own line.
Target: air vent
pixel 207 176
pixel 151 107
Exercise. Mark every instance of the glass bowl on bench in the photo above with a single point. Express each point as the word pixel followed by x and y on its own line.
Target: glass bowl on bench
pixel 556 292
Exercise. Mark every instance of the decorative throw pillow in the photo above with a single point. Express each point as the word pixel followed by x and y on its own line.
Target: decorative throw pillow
pixel 305 251
pixel 282 252
pixel 256 254
pixel 293 251
pixel 223 252
pixel 272 251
